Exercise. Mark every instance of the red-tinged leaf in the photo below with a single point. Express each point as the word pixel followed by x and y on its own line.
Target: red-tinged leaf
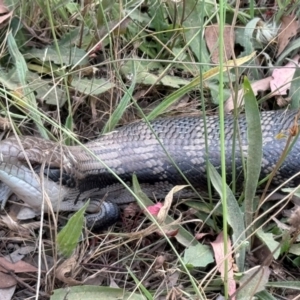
pixel 218 249
pixel 200 236
pixel 5 14
pixel 283 76
pixel 261 85
pixel 6 281
pixel 212 36
pixel 18 267
pixel 154 209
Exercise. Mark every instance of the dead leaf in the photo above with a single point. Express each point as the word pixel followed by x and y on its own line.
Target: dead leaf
pixel 279 84
pixel 164 210
pixel 282 77
pixel 288 29
pixel 6 281
pixel 218 249
pixel 294 220
pixel 212 41
pixel 5 14
pixel 283 101
pixel 131 210
pixel 18 267
pixel 64 270
pixel 5 123
pixel 257 86
pixel 200 236
pixel 160 261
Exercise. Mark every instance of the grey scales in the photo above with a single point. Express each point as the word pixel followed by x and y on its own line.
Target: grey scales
pixel 65 177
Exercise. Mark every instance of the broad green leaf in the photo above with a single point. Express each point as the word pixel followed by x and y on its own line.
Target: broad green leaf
pixel 24 93
pixel 235 217
pixel 95 86
pixel 193 13
pixel 247 40
pixel 294 92
pixel 294 285
pixel 69 55
pixel 45 91
pixel 68 237
pixel 253 281
pixel 198 256
pixel 9 80
pixel 265 295
pixel 149 74
pixel 254 152
pixel 92 292
pixel 74 36
pixel 295 249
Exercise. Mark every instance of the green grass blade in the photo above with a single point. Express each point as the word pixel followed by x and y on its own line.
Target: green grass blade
pixel 171 99
pixel 121 108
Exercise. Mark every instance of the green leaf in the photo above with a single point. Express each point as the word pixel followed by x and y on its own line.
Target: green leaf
pixel 68 237
pixel 254 151
pixel 122 106
pixel 21 71
pixel 294 45
pixel 150 74
pixel 253 281
pixel 74 36
pixel 235 217
pixel 291 190
pixel 198 256
pixel 294 92
pixel 268 240
pixel 45 90
pixel 264 295
pixel 295 249
pixel 9 79
pixel 247 37
pixel 91 86
pixel 140 285
pixel 294 285
pixel 215 93
pixel 91 292
pixel 203 212
pixel 193 13
pixel 69 55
